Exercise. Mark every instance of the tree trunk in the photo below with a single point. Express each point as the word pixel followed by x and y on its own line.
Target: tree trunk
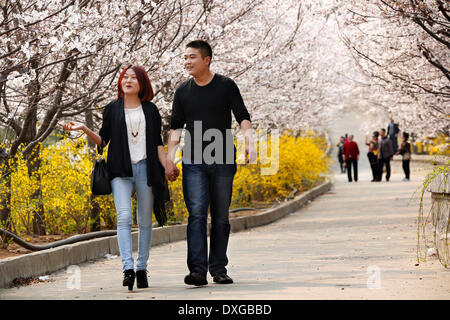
pixel 94 224
pixel 34 163
pixel 5 211
pixel 33 158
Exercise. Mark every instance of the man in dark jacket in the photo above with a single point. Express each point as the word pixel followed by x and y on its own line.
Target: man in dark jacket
pixel 385 154
pixel 351 156
pixel 392 133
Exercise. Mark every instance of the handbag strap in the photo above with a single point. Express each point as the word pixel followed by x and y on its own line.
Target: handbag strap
pixel 100 147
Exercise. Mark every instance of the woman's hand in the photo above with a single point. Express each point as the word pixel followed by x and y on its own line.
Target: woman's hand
pixel 73 126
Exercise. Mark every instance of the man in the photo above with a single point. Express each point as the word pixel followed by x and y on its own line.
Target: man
pixel 351 156
pixel 392 133
pixel 204 104
pixel 385 154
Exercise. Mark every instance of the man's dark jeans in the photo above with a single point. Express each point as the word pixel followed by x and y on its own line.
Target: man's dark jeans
pixel 373 160
pixel 208 185
pixel 405 165
pixel 351 162
pixel 387 162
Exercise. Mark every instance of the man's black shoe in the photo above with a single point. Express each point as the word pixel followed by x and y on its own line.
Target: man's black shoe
pixel 222 278
pixel 195 279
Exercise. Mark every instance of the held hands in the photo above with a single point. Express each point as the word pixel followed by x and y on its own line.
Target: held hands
pixel 172 172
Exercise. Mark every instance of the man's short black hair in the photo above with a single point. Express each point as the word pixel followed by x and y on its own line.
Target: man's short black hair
pixel 406 135
pixel 203 46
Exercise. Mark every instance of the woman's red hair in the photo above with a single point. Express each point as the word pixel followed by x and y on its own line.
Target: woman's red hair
pixel 146 90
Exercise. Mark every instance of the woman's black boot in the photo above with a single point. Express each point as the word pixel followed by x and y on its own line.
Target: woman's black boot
pixel 142 281
pixel 128 278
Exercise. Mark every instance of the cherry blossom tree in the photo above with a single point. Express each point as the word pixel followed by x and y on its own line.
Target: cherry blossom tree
pixel 60 59
pixel 403 49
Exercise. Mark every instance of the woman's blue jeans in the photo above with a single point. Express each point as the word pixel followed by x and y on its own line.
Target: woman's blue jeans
pixel 122 188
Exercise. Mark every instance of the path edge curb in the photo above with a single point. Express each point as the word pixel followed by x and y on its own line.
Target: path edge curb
pixel 47 261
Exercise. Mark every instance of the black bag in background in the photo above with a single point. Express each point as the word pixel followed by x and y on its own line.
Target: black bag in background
pixel 372 158
pixel 100 176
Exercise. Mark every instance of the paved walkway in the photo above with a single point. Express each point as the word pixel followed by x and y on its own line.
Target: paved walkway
pixel 324 251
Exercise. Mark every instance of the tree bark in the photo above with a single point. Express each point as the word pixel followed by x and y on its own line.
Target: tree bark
pixel 33 158
pixel 5 210
pixel 94 224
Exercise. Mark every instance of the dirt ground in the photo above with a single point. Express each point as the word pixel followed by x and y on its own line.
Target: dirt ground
pixel 16 250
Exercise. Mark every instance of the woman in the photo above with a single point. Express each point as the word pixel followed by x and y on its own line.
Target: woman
pixel 372 155
pixel 136 157
pixel 340 145
pixel 405 151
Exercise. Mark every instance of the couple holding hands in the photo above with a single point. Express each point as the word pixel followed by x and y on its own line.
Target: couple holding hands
pixel 136 158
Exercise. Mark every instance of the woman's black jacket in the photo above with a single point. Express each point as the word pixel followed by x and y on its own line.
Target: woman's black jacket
pixel 114 132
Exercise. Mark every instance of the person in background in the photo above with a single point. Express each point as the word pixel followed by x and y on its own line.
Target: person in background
pixel 372 155
pixel 392 133
pixel 385 154
pixel 405 151
pixel 351 156
pixel 340 145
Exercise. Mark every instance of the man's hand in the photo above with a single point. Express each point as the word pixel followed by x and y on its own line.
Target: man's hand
pixel 172 172
pixel 250 152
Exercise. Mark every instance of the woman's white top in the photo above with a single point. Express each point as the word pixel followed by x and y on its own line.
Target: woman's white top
pixel 138 150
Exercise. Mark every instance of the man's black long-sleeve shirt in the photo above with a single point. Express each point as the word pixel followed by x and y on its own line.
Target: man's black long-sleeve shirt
pixel 210 107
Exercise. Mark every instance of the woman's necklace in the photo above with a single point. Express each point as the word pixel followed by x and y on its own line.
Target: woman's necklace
pixel 134 139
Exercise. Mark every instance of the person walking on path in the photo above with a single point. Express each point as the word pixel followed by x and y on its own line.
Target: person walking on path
pixel 392 133
pixel 405 151
pixel 340 145
pixel 204 103
pixel 385 154
pixel 372 155
pixel 136 157
pixel 351 156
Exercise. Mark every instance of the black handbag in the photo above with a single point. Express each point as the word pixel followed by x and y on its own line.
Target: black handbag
pixel 100 176
pixel 162 204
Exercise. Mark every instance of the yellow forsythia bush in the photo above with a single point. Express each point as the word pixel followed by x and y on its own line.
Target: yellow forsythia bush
pixel 65 178
pixel 65 183
pixel 302 161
